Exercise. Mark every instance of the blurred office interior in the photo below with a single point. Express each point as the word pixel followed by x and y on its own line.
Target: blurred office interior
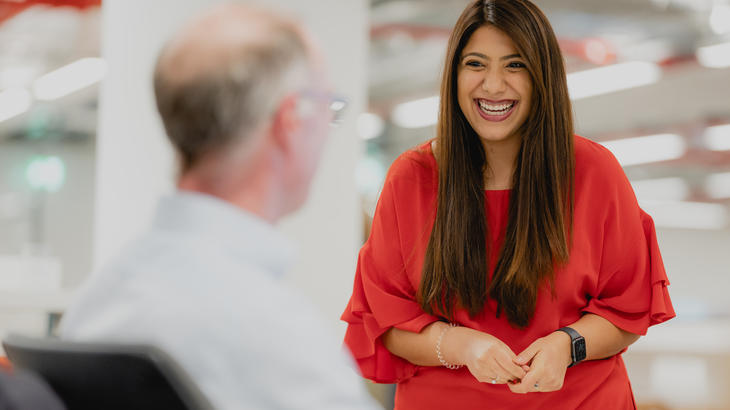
pixel 83 157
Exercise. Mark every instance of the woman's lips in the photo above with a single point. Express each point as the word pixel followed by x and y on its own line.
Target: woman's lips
pixel 495 111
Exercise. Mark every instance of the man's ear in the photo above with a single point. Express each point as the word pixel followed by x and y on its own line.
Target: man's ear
pixel 286 123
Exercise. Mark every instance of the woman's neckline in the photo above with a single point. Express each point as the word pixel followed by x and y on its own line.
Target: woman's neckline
pixel 429 147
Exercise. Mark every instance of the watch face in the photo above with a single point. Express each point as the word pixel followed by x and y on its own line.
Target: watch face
pixel 579 347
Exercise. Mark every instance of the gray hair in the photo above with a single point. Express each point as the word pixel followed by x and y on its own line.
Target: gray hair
pixel 216 109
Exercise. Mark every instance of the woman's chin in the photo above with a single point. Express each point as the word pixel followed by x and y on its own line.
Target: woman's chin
pixel 496 137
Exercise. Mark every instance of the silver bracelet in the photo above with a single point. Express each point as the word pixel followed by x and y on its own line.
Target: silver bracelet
pixel 438 349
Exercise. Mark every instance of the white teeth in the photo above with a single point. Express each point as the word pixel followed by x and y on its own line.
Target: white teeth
pixel 498 108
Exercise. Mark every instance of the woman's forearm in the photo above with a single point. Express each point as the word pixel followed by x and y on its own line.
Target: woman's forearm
pixel 418 348
pixel 603 338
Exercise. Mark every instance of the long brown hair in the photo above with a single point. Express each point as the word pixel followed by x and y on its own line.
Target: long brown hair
pixel 541 202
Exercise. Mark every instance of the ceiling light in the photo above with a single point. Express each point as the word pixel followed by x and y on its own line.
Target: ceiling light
pixel 417 114
pixel 14 101
pixel 69 78
pixel 369 125
pixel 689 215
pixel 652 148
pixel 46 173
pixel 720 19
pixel 597 51
pixel 716 56
pixel 717 138
pixel 616 77
pixel 668 189
pixel 718 185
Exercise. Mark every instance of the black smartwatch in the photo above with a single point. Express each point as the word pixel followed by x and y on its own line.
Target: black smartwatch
pixel 577 345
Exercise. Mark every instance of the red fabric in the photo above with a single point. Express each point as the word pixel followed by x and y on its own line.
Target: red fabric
pixel 615 270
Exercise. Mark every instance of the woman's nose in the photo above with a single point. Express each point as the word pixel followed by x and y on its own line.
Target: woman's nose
pixel 493 81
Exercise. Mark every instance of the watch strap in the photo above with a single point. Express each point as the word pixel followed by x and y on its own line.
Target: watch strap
pixel 570 331
pixel 577 345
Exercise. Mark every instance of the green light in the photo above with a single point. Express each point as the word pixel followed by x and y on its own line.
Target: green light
pixel 45 173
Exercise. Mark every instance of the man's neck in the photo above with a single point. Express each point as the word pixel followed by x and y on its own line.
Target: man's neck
pixel 257 197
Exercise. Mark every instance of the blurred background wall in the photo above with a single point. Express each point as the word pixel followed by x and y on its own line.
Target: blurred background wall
pixel 83 157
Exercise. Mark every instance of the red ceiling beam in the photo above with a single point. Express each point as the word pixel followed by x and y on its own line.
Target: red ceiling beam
pixel 11 8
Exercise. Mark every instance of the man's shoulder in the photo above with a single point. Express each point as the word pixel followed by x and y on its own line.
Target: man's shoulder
pixel 222 324
pixel 159 273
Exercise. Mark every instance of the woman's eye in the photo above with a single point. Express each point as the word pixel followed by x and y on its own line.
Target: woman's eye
pixel 516 64
pixel 473 64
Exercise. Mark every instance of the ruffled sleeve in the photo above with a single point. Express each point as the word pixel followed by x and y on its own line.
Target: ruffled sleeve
pixel 631 290
pixel 383 297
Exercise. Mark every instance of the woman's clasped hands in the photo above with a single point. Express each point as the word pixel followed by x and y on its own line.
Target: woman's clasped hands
pixel 540 367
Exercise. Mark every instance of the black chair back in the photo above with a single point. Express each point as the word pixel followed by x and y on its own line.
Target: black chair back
pixel 24 390
pixel 107 376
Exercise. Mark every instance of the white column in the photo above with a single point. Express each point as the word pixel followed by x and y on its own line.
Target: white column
pixel 135 164
pixel 328 229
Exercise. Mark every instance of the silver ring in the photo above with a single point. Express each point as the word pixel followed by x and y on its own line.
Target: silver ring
pixel 494 381
pixel 537 386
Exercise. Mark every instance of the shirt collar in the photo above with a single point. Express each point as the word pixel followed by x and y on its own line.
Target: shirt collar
pixel 244 234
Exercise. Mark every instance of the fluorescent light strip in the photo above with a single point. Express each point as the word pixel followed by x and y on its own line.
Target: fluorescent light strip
pixel 688 215
pixel 717 138
pixel 669 189
pixel 69 78
pixel 13 102
pixel 718 185
pixel 652 148
pixel 717 56
pixel 604 80
pixel 417 114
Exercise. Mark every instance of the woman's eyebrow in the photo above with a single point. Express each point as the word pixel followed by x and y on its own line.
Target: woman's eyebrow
pixel 480 55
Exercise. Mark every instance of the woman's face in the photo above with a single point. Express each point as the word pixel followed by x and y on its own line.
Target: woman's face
pixel 493 85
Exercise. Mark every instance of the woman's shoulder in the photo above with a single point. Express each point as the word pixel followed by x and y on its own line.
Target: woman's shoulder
pixel 598 172
pixel 415 163
pixel 593 160
pixel 590 151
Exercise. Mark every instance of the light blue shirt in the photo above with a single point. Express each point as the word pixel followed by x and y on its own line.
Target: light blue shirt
pixel 203 285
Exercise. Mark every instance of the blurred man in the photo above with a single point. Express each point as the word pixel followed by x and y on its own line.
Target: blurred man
pixel 246 104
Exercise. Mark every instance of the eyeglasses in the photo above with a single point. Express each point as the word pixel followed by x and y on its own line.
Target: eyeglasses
pixel 336 104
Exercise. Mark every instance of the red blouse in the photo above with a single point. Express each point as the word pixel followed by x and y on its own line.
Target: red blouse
pixel 615 271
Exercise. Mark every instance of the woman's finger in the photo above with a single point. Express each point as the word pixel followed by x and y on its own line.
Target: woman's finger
pixel 527 385
pixel 526 356
pixel 508 366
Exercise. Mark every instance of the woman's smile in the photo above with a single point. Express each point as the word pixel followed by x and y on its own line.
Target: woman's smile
pixel 496 111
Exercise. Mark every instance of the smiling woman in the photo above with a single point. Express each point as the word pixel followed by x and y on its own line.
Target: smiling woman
pixel 508 249
pixel 494 89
